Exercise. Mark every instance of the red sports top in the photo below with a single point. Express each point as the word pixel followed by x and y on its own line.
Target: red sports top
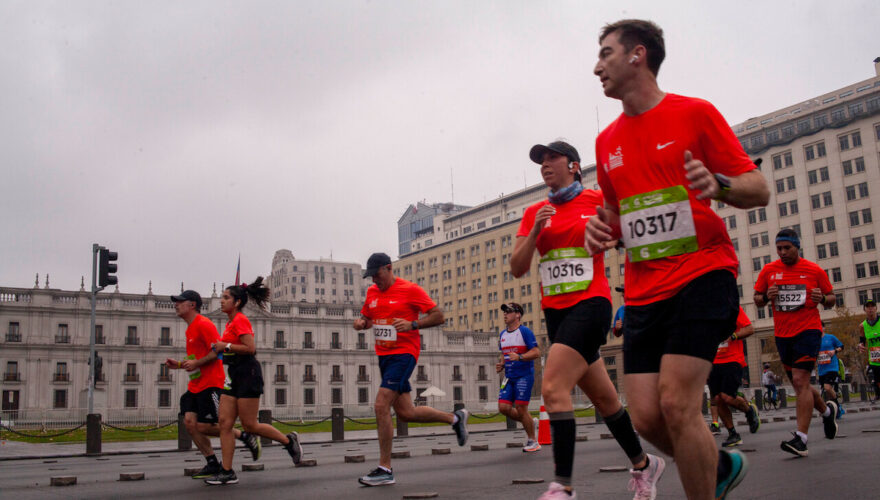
pixel 731 351
pixel 565 230
pixel 794 310
pixel 240 325
pixel 641 171
pixel 403 299
pixel 200 334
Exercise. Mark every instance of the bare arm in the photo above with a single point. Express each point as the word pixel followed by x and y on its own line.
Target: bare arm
pixel 525 246
pixel 432 317
pixel 744 332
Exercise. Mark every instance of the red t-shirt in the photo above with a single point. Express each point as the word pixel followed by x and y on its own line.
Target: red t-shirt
pixel 568 267
pixel 240 325
pixel 731 351
pixel 403 299
pixel 200 334
pixel 671 236
pixel 794 310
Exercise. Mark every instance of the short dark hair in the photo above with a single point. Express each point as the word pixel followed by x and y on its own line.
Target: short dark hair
pixel 634 32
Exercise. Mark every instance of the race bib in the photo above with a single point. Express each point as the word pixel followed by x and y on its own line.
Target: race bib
pixel 874 355
pixel 194 374
pixel 825 357
pixel 384 333
pixel 566 270
pixel 658 224
pixel 791 297
pixel 724 345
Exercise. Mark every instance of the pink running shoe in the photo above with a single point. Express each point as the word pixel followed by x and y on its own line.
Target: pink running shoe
pixel 644 482
pixel 557 492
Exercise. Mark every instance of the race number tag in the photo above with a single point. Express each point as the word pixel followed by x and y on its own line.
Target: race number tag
pixel 724 345
pixel 875 355
pixel 791 297
pixel 825 357
pixel 384 333
pixel 566 270
pixel 194 374
pixel 658 224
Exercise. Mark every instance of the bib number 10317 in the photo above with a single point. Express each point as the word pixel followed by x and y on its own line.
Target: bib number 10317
pixel 658 224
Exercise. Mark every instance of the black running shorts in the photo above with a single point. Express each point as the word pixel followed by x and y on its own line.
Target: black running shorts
pixel 582 327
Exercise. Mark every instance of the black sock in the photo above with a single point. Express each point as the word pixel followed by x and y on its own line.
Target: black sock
pixel 212 460
pixel 647 463
pixel 724 466
pixel 562 426
pixel 731 431
pixel 242 436
pixel 621 428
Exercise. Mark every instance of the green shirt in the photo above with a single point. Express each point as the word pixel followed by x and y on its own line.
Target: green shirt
pixel 872 341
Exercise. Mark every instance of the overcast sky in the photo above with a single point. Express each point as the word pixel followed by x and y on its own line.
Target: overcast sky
pixel 181 134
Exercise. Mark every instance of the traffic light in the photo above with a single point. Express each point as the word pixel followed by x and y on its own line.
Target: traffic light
pixel 106 267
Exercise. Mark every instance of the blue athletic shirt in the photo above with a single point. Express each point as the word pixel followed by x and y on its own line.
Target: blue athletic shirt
pixel 519 341
pixel 827 359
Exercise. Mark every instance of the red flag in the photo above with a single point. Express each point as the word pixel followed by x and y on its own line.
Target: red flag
pixel 238 271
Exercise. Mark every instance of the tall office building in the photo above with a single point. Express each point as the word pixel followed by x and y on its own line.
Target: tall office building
pixel 327 281
pixel 416 226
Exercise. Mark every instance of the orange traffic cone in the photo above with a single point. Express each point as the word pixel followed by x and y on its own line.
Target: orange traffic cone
pixel 544 435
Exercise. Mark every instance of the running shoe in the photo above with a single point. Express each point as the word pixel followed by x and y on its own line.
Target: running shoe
pixel 377 477
pixel 733 439
pixel 840 412
pixel 460 427
pixel 223 477
pixel 294 448
pixel 796 446
pixel 557 492
pixel 715 428
pixel 738 468
pixel 830 422
pixel 531 446
pixel 644 482
pixel 752 418
pixel 207 471
pixel 252 443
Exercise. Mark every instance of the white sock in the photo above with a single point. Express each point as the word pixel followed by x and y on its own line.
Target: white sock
pixel 827 411
pixel 802 436
pixel 386 469
pixel 454 419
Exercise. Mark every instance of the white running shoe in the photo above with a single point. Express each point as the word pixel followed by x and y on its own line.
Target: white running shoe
pixel 644 482
pixel 531 446
pixel 557 492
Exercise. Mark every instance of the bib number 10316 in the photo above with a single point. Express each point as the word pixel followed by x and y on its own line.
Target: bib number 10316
pixel 658 224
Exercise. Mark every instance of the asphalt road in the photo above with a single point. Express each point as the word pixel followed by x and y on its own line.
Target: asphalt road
pixel 841 468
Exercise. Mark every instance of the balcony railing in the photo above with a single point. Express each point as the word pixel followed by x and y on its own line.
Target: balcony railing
pixel 335 345
pixel 13 337
pixel 456 377
pixel 308 344
pixel 131 378
pixel 62 339
pixel 164 378
pixel 280 377
pixel 482 377
pixel 421 378
pixel 363 378
pixel 280 344
pixel 61 377
pixel 100 339
pixel 361 345
pixel 309 377
pixel 12 377
pixel 165 341
pixel 335 378
pixel 132 341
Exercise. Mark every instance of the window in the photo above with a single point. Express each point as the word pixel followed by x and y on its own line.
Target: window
pixel 839 297
pixel 280 397
pixel 854 218
pixel 63 335
pixel 869 242
pixel 363 395
pixel 857 244
pixel 756 264
pixel 484 393
pixel 847 167
pixel 860 164
pixel 832 249
pixel 336 396
pixel 13 333
pixel 308 343
pixel 131 337
pixel 731 223
pixel 866 216
pixel 815 201
pixel 818 226
pixel 61 374
pixel 164 398
pixel 790 184
pixel 823 174
pixel 793 207
pixel 836 277
pixel 809 153
pixel 309 396
pixel 829 224
pixel 735 242
pixel 164 373
pixel 457 394
pixel 131 398
pixel 850 193
pixel 812 177
pixel 863 190
pixel 820 150
pixel 780 186
pixel 131 374
pixel 860 271
pixel 821 253
pixel 59 399
pixel 334 341
pixel 165 336
pixel 843 141
pixel 783 209
pixel 826 198
pixel 873 269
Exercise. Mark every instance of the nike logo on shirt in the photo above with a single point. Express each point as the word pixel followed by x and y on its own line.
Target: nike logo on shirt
pixel 661 146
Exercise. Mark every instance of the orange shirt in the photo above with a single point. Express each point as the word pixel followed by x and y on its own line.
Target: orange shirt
pixel 240 325
pixel 731 351
pixel 794 310
pixel 403 299
pixel 200 334
pixel 565 265
pixel 671 237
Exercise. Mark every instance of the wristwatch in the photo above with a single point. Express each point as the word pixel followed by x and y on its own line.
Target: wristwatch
pixel 723 185
pixel 228 348
pixel 414 325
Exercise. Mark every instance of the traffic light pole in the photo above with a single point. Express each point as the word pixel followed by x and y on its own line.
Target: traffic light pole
pixel 95 290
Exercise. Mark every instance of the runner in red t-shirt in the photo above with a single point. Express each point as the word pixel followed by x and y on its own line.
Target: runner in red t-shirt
pixel 241 395
pixel 392 309
pixel 577 305
pixel 726 378
pixel 659 164
pixel 200 404
pixel 796 287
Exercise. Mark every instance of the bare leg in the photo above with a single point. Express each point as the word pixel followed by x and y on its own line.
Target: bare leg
pixel 228 413
pixel 248 408
pixel 807 399
pixel 202 442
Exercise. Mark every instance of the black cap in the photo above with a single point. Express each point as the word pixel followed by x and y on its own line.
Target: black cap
pixel 870 302
pixel 619 289
pixel 512 306
pixel 375 262
pixel 560 147
pixel 189 295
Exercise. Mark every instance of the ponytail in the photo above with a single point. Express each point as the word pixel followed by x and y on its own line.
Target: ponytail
pixel 256 291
